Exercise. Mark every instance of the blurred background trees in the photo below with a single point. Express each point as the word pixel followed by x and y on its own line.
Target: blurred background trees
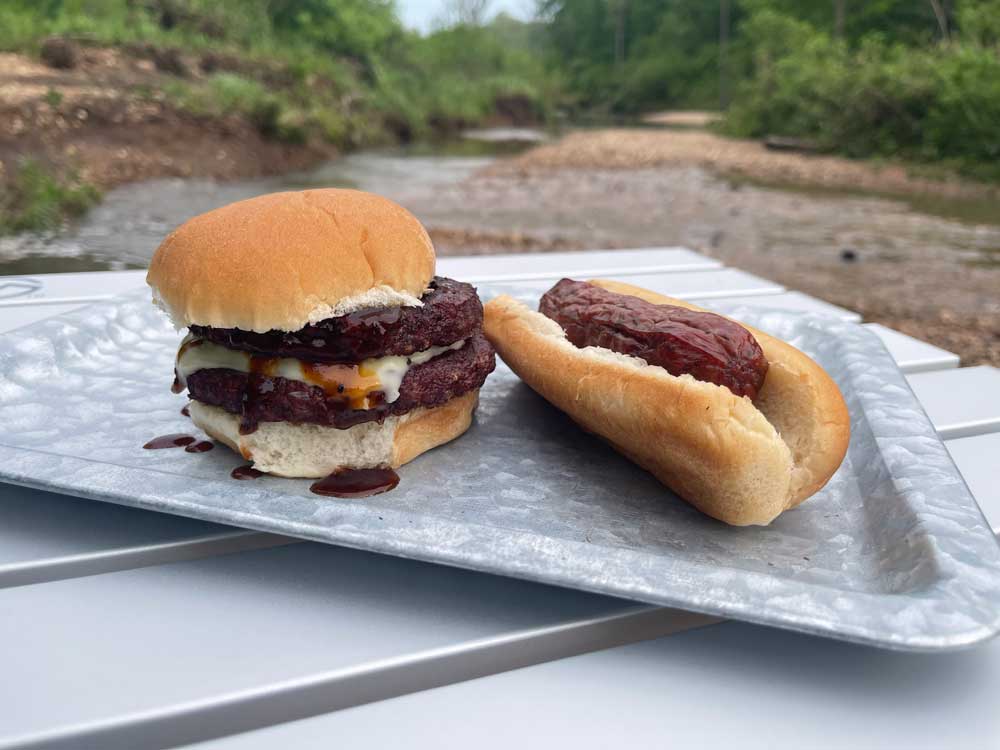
pixel 917 79
pixel 899 78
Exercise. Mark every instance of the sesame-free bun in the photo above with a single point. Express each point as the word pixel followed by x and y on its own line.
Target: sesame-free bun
pixel 284 260
pixel 289 449
pixel 739 461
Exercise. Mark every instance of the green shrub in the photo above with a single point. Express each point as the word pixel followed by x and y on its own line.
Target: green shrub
pixel 20 28
pixel 34 198
pixel 938 103
pixel 53 97
pixel 964 120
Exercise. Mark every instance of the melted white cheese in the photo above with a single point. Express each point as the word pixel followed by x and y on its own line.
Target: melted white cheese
pixel 197 354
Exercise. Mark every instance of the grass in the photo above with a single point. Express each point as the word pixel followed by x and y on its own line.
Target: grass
pixel 295 114
pixel 35 199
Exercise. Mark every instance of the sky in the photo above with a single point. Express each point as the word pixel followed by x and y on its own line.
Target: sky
pixel 421 14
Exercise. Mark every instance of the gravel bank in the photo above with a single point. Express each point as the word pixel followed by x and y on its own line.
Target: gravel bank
pixel 639 149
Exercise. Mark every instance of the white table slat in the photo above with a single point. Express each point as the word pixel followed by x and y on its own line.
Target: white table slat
pixel 54 288
pixel 960 402
pixel 241 641
pixel 46 537
pixel 524 266
pixel 692 285
pixel 978 458
pixel 791 301
pixel 12 317
pixel 914 355
pixel 730 685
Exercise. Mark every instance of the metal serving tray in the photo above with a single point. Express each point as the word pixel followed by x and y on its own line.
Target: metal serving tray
pixel 893 552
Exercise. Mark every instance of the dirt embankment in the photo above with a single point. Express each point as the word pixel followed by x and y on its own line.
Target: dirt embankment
pixel 108 119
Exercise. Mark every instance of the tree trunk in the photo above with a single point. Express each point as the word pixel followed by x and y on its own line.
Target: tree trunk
pixel 620 8
pixel 724 54
pixel 941 14
pixel 839 16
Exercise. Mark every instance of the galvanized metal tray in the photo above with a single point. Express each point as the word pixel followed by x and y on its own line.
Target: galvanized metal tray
pixel 893 552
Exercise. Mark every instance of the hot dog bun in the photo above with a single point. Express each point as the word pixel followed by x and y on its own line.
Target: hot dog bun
pixel 733 460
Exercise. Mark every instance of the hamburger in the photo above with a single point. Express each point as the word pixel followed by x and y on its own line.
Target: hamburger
pixel 319 338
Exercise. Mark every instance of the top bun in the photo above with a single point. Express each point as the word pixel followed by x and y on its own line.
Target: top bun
pixel 284 260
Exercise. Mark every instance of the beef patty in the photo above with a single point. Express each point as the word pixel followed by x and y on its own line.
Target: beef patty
pixel 258 398
pixel 451 311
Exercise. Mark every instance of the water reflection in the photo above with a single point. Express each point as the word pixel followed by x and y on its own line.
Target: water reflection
pixel 125 229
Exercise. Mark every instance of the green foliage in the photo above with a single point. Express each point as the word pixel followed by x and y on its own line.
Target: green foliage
pixel 34 198
pixel 342 70
pixel 458 76
pixel 906 21
pixel 669 52
pixel 875 98
pixel 883 80
pixel 880 79
pixel 980 23
pixel 359 29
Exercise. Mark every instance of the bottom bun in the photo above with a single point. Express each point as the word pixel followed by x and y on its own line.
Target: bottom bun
pixel 288 449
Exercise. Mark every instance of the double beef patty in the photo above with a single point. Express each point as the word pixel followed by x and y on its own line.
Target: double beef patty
pixel 451 311
pixel 264 399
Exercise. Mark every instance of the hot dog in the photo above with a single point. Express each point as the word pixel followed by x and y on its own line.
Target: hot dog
pixel 738 423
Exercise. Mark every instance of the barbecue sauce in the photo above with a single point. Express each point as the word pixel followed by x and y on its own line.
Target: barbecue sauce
pixel 349 386
pixel 245 472
pixel 352 483
pixel 174 440
pixel 185 411
pixel 200 447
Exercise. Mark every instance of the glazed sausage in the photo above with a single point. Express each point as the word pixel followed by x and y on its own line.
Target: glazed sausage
pixel 704 345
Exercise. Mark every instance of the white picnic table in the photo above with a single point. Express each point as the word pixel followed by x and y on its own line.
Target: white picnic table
pixel 122 628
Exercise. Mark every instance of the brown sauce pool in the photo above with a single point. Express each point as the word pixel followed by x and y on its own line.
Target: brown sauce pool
pixel 352 483
pixel 245 472
pixel 174 440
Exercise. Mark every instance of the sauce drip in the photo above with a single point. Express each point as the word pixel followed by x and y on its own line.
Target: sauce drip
pixel 352 483
pixel 178 386
pixel 185 411
pixel 245 472
pixel 174 440
pixel 200 447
